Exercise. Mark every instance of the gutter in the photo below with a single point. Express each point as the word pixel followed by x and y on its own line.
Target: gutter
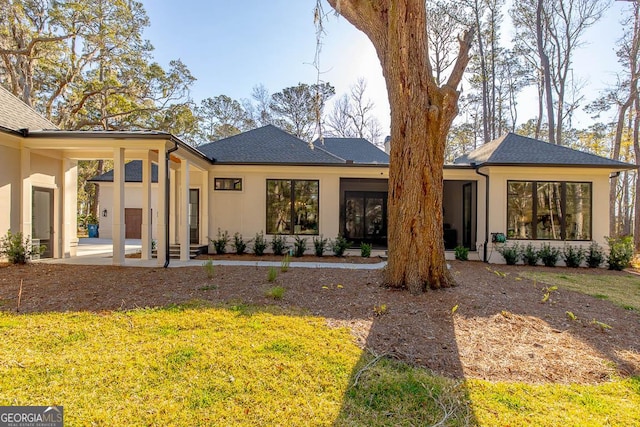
pixel 167 219
pixel 486 220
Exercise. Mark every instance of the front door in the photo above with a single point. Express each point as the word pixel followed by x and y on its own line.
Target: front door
pixel 194 216
pixel 132 223
pixel 42 220
pixel 365 217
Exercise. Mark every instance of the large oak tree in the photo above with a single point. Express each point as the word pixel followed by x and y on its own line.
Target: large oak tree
pixel 421 114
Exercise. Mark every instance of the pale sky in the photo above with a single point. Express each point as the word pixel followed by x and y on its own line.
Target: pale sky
pixel 230 47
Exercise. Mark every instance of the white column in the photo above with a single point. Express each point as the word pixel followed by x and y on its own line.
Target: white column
pixel 146 207
pixel 161 208
pixel 69 201
pixel 118 206
pixel 204 209
pixel 26 206
pixel 184 210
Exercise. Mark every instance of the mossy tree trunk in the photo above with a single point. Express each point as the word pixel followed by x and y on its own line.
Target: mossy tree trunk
pixel 421 115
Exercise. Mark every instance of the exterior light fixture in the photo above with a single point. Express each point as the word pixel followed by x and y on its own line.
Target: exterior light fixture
pixel 104 213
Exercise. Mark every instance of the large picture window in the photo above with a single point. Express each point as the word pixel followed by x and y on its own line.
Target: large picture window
pixel 292 206
pixel 539 210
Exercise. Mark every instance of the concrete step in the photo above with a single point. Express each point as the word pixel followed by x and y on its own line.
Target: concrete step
pixel 174 251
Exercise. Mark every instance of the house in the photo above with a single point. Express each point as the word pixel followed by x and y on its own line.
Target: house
pixel 266 180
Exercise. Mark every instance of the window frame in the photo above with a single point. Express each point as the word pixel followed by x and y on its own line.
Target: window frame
pixel 292 200
pixel 234 181
pixel 563 209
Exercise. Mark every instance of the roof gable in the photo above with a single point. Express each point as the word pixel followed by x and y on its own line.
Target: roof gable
pixel 268 144
pixel 513 149
pixel 358 150
pixel 16 115
pixel 132 173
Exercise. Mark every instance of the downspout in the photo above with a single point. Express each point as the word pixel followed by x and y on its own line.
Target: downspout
pixel 486 214
pixel 167 218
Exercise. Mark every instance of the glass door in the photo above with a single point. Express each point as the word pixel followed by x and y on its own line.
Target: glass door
pixel 42 220
pixel 365 217
pixel 194 215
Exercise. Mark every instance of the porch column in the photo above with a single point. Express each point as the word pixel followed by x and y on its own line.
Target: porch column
pixel 161 208
pixel 146 207
pixel 184 210
pixel 69 201
pixel 118 206
pixel 204 209
pixel 25 195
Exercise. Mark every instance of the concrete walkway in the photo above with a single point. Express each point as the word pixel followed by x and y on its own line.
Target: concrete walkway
pixel 99 252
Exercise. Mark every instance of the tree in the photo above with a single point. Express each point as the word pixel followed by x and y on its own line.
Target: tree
pixel 421 114
pixel 222 117
pixel 297 109
pixel 352 116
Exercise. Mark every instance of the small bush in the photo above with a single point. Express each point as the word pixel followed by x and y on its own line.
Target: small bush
pixel 511 254
pixel 300 246
pixel 572 256
pixel 530 255
pixel 339 245
pixel 17 248
pixel 284 264
pixel 365 250
pixel 620 252
pixel 259 244
pixel 461 253
pixel 272 273
pixel 549 255
pixel 278 244
pixel 239 245
pixel 221 242
pixel 209 268
pixel 594 256
pixel 277 292
pixel 319 245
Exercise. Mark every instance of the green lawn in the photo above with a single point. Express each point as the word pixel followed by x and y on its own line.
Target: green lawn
pixel 623 290
pixel 243 366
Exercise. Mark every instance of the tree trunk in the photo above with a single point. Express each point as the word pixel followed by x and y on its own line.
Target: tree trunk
pixel 546 71
pixel 421 115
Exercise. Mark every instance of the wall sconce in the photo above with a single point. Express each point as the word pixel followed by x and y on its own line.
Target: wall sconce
pixel 104 213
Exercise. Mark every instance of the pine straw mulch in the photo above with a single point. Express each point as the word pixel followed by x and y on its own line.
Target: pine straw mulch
pixel 501 329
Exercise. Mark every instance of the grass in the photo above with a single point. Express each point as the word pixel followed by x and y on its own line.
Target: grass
pixel 623 290
pixel 244 365
pixel 276 292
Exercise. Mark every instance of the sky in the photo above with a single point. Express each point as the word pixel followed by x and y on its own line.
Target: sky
pixel 232 46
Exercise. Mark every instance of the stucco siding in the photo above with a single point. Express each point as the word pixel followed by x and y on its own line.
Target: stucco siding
pixel 10 186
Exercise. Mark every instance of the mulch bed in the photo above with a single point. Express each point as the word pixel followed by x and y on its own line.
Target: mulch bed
pixel 501 329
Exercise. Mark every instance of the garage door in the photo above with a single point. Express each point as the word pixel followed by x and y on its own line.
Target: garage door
pixel 133 223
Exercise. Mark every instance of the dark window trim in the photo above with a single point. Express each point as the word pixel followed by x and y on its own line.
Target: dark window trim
pixel 234 182
pixel 292 182
pixel 563 209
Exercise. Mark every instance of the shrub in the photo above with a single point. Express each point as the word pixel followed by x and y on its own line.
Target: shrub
pixel 594 256
pixel 300 245
pixel 259 244
pixel 17 248
pixel 365 250
pixel 461 253
pixel 549 255
pixel 319 245
pixel 530 255
pixel 620 252
pixel 209 268
pixel 278 244
pixel 239 245
pixel 339 245
pixel 572 256
pixel 277 292
pixel 272 273
pixel 284 264
pixel 221 242
pixel 511 254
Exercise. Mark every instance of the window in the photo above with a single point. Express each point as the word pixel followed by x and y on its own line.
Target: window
pixel 548 210
pixel 228 184
pixel 292 206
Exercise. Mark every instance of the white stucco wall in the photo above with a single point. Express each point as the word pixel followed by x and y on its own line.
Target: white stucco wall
pixel 10 186
pixel 133 199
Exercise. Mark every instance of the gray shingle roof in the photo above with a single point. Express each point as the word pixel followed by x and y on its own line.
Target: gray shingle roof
pixel 16 115
pixel 132 173
pixel 357 149
pixel 264 145
pixel 512 149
